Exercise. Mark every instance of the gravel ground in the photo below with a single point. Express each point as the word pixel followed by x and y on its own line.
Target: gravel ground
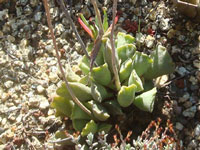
pixel 29 72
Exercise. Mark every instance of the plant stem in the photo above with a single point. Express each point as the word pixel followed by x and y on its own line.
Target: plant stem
pixel 97 14
pixel 114 65
pixel 62 5
pixel 98 41
pixel 74 98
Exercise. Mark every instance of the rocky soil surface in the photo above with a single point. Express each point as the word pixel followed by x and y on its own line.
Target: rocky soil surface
pixel 29 71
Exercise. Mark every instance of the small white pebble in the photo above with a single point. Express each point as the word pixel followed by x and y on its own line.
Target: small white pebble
pixel 40 89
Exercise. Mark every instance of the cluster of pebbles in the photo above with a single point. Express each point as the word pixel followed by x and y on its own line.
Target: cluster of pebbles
pixel 29 71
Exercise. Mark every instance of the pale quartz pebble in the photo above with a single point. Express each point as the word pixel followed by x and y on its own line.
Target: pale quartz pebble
pixel 160 81
pixel 192 145
pixel 181 71
pixel 149 41
pixel 53 77
pixel 196 63
pixel 190 112
pixel 51 112
pixel 140 38
pixel 4 14
pixel 193 80
pixel 179 126
pixel 34 102
pixel 185 97
pixel 44 104
pixel 8 84
pixel 197 131
pixel 4 97
pixel 164 24
pixel 11 38
pixel 4 121
pixel 38 16
pixel 40 89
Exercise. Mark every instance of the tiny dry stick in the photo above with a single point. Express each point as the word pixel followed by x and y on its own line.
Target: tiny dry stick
pixel 97 43
pixel 74 98
pixel 114 65
pixel 62 5
pixel 98 14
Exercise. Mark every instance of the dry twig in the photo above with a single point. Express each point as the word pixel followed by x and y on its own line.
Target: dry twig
pixel 74 98
pixel 114 65
pixel 62 5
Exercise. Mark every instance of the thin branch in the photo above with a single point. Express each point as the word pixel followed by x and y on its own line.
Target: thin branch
pixel 97 14
pixel 62 5
pixel 114 65
pixel 74 98
pixel 98 41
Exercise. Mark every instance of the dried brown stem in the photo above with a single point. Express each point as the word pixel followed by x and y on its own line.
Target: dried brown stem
pixel 98 41
pixel 74 98
pixel 114 65
pixel 62 5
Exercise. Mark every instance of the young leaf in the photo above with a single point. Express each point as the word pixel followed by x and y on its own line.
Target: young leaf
pixel 99 111
pixel 125 69
pixel 101 74
pixel 78 113
pixel 82 92
pixel 99 92
pixel 113 107
pixel 87 29
pixel 135 79
pixel 90 127
pixel 141 62
pixel 79 124
pixel 126 51
pixel 162 63
pixel 123 39
pixel 84 65
pixel 145 101
pixel 126 95
pixel 71 76
pixel 105 19
pixel 63 105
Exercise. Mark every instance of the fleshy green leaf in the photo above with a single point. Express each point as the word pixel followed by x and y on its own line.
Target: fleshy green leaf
pixel 79 124
pixel 90 127
pixel 84 65
pixel 148 85
pixel 107 53
pixel 99 111
pixel 105 19
pixel 71 76
pixel 135 79
pixel 78 113
pixel 126 95
pixel 123 39
pixel 113 107
pixel 63 105
pixel 162 63
pixel 125 51
pixel 82 92
pixel 85 80
pixel 145 101
pixel 101 74
pixel 125 69
pixel 141 62
pixel 99 92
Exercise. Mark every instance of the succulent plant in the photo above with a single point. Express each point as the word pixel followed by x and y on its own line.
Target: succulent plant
pixel 115 76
